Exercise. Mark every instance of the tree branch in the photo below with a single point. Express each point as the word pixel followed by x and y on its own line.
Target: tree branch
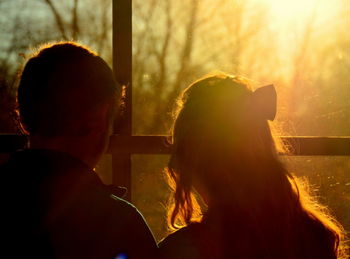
pixel 75 26
pixel 58 19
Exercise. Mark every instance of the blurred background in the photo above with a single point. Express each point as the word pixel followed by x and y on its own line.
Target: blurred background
pixel 301 46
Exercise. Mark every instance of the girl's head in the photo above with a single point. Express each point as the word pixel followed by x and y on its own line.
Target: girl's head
pixel 223 147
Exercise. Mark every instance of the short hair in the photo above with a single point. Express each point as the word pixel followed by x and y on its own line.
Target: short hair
pixel 60 85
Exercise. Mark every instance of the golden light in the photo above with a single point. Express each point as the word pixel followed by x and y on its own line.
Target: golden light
pixel 289 20
pixel 292 9
pixel 299 11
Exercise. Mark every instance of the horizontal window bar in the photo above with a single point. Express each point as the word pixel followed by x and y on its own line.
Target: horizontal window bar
pixel 297 145
pixel 120 144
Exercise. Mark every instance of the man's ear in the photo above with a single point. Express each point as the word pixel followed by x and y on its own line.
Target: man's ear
pixel 96 121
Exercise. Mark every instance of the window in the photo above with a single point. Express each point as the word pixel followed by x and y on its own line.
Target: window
pixel 161 46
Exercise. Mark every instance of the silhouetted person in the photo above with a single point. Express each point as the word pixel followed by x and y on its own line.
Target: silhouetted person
pixel 223 148
pixel 53 205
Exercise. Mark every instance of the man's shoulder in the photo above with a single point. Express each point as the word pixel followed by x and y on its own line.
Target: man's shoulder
pixel 127 227
pixel 7 163
pixel 120 204
pixel 22 161
pixel 14 171
pixel 111 206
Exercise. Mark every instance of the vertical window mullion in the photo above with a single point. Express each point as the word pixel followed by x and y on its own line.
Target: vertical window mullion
pixel 122 67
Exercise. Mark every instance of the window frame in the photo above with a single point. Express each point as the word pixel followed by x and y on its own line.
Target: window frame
pixel 123 144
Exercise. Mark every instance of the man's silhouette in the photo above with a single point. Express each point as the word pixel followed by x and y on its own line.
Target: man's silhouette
pixel 53 205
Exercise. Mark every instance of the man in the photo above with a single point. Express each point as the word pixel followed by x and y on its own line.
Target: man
pixel 53 203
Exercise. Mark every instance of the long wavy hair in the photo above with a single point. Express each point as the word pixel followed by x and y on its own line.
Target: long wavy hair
pixel 223 146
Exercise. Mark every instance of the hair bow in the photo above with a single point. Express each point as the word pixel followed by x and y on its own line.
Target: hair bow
pixel 265 100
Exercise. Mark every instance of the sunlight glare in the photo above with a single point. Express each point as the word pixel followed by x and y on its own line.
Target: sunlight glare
pixel 292 9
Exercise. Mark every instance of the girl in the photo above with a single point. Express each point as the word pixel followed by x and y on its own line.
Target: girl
pixel 224 150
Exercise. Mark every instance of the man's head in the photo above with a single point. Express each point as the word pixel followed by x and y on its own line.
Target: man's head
pixel 67 92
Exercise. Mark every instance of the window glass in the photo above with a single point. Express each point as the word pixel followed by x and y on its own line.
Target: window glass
pixel 150 191
pixel 25 25
pixel 300 46
pixel 329 179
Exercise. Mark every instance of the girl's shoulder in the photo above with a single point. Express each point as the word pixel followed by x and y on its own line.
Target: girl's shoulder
pixel 193 241
pixel 180 243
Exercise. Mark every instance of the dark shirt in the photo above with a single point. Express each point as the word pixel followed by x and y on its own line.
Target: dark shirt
pixel 210 239
pixel 195 241
pixel 55 206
